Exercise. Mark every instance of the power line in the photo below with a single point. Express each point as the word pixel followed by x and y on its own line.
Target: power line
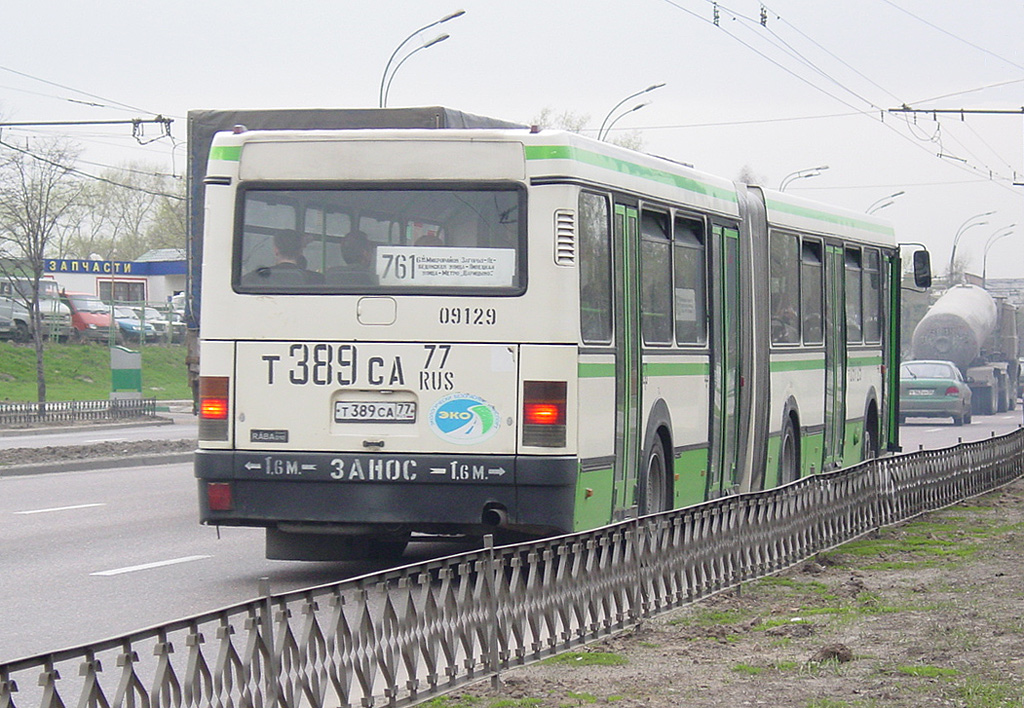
pixel 80 173
pixel 954 36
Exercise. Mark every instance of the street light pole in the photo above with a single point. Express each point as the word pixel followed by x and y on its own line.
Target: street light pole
pixel 623 115
pixel 601 132
pixel 1002 233
pixel 960 232
pixel 383 79
pixel 884 202
pixel 436 40
pixel 801 174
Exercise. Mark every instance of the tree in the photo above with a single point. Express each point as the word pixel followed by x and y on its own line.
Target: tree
pixel 577 123
pixel 38 194
pixel 130 210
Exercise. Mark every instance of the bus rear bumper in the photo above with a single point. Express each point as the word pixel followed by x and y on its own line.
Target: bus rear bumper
pixel 470 494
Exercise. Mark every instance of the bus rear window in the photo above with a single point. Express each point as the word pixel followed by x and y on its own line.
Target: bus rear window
pixel 299 240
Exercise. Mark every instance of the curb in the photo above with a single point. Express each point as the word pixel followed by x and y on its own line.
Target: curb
pixel 49 430
pixel 96 463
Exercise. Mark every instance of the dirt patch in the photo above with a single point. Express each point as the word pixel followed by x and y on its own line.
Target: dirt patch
pixel 928 613
pixel 33 455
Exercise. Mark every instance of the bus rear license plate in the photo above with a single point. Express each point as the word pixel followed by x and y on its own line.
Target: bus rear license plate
pixel 375 412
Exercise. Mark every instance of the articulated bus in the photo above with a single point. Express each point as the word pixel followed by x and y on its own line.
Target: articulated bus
pixel 522 332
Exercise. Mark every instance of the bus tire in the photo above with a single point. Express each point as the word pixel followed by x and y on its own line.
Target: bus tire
pixel 653 487
pixel 870 444
pixel 789 454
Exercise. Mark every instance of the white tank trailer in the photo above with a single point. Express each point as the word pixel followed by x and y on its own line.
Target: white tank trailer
pixel 978 333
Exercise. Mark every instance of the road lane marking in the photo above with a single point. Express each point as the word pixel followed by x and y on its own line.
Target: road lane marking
pixel 150 566
pixel 60 508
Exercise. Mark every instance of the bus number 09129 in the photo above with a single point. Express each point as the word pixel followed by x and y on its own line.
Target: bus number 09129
pixel 467 316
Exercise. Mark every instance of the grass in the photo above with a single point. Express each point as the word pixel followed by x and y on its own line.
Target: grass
pixel 587 658
pixel 81 372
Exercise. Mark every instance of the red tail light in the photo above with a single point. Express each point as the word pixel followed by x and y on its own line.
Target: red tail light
pixel 544 408
pixel 218 496
pixel 952 391
pixel 214 407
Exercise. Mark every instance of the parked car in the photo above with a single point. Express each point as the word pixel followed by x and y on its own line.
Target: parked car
pixel 90 316
pixel 130 327
pixel 169 328
pixel 934 389
pixel 15 322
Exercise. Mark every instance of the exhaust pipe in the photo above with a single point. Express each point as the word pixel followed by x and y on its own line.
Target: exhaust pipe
pixel 495 516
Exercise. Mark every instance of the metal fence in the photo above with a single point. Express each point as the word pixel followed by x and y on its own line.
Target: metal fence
pixel 13 414
pixel 402 636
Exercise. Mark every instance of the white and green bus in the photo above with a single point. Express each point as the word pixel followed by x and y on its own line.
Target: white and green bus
pixel 468 331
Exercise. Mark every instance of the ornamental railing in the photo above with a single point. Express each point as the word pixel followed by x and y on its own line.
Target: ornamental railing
pixel 15 414
pixel 402 636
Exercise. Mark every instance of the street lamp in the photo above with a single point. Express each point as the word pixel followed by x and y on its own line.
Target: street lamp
pixel 384 77
pixel 436 40
pixel 960 232
pixel 623 115
pixel 1002 233
pixel 884 202
pixel 601 132
pixel 801 174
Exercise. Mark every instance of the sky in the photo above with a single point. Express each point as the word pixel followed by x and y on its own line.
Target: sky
pixel 812 84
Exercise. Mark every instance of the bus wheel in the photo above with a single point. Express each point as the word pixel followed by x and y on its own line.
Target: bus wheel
pixel 871 448
pixel 653 484
pixel 789 455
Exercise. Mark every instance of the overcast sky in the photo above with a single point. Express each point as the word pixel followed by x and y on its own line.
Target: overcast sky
pixel 811 86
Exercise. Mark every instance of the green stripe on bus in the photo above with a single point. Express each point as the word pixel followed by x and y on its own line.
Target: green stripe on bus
pixel 596 371
pixel 817 215
pixel 798 365
pixel 676 369
pixel 228 153
pixel 865 360
pixel 569 152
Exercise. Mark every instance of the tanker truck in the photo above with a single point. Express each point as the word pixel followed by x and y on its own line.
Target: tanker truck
pixel 978 333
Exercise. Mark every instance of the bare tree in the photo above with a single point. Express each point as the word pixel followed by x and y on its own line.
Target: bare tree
pixel 38 193
pixel 577 123
pixel 131 210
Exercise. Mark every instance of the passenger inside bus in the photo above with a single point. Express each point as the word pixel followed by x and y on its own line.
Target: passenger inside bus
pixel 357 254
pixel 289 264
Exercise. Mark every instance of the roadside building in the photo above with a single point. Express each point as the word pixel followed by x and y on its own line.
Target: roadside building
pixel 154 277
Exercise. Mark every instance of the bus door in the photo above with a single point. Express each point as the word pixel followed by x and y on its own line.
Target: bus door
pixel 628 359
pixel 835 357
pixel 726 379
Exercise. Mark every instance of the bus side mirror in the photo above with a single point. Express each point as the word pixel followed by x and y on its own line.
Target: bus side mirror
pixel 922 269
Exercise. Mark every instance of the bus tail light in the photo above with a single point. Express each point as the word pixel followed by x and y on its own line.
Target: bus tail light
pixel 213 407
pixel 218 496
pixel 544 407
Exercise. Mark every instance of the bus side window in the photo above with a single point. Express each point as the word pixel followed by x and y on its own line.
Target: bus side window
pixel 656 278
pixel 854 304
pixel 785 288
pixel 811 293
pixel 690 297
pixel 595 270
pixel 872 296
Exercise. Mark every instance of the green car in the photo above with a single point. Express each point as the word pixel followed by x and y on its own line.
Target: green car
pixel 934 389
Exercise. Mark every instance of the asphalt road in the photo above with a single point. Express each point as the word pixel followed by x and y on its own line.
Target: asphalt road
pixel 90 555
pixel 937 433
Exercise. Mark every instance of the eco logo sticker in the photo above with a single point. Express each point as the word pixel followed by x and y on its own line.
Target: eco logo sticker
pixel 464 419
